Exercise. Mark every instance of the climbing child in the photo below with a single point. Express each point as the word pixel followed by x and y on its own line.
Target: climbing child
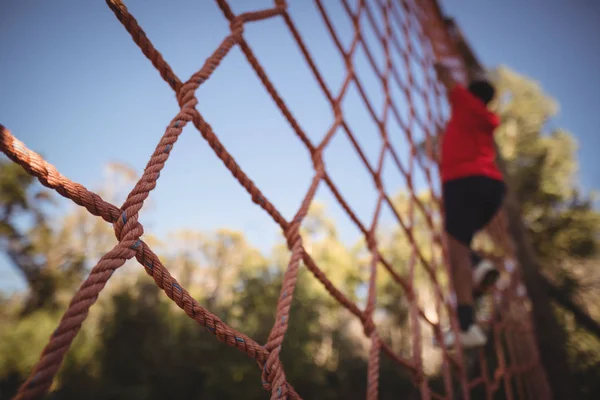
pixel 473 191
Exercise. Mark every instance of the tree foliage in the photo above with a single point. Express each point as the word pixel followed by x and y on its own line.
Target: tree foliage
pixel 542 165
pixel 563 224
pixel 137 344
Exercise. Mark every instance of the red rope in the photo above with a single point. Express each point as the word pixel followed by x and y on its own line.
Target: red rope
pixel 405 22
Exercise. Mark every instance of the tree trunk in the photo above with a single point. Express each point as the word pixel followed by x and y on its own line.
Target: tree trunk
pixel 550 336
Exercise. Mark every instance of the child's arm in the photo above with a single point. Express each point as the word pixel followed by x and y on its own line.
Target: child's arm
pixel 445 76
pixel 430 146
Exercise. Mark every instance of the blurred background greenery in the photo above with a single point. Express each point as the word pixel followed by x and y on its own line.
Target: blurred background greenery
pixel 136 344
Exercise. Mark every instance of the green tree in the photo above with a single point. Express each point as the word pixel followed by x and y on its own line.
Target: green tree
pixel 562 223
pixel 138 344
pixel 22 224
pixel 542 163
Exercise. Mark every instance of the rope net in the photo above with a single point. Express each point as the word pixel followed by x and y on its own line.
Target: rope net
pixel 517 368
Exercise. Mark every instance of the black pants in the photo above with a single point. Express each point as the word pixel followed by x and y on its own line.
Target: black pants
pixel 470 204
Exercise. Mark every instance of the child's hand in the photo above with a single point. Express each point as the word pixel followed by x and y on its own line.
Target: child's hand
pixel 429 148
pixel 440 69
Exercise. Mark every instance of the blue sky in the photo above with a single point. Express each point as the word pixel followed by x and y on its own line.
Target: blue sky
pixel 78 90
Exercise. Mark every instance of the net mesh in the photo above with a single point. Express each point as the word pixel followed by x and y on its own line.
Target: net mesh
pixel 411 36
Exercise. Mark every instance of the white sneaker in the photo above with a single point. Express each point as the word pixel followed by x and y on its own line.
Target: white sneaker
pixel 485 275
pixel 474 337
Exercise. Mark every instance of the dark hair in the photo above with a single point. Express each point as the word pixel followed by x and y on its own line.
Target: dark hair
pixel 483 90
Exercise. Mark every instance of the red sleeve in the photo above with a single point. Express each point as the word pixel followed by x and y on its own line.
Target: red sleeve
pixel 464 103
pixel 459 95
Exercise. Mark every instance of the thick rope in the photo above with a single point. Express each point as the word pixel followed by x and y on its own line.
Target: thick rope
pixel 404 23
pixel 153 266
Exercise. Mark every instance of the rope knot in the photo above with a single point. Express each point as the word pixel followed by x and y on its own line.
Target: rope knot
pixel 119 224
pixel 410 295
pixel 237 28
pixel 185 95
pixel 281 4
pixel 292 233
pixel 368 326
pixel 125 226
pixel 317 159
pixel 350 69
pixel 337 113
pixel 273 377
pixel 372 242
pixel 418 377
pixel 378 183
